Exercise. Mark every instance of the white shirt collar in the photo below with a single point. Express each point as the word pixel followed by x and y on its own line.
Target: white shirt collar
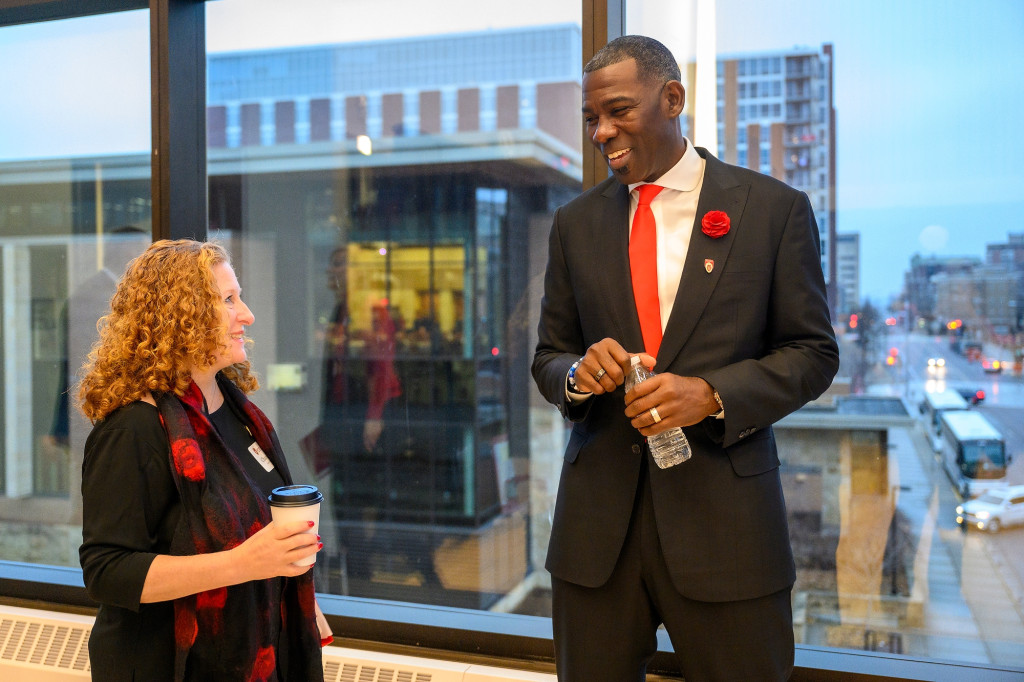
pixel 685 176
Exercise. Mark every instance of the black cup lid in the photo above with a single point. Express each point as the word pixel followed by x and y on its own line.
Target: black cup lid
pixel 295 496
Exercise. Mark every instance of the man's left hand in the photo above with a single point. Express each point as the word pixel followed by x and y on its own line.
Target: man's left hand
pixel 677 401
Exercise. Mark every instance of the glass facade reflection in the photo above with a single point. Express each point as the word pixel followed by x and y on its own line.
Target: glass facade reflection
pixel 69 222
pixel 396 206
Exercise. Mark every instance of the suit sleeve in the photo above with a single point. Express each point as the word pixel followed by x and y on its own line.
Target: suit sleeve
pixel 800 356
pixel 560 336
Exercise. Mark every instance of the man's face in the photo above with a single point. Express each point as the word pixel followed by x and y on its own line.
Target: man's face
pixel 634 124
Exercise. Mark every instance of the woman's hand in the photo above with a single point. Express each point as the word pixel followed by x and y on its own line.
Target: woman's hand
pixel 267 554
pixel 270 552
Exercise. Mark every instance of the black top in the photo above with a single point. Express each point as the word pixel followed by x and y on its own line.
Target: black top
pixel 131 509
pixel 239 440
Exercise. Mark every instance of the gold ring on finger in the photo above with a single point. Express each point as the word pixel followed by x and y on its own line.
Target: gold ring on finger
pixel 655 415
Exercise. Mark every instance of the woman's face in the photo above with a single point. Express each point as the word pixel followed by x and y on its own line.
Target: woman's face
pixel 235 317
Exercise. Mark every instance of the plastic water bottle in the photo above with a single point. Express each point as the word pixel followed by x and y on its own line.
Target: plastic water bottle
pixel 668 447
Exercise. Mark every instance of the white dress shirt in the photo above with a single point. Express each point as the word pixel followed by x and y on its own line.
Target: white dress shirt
pixel 674 209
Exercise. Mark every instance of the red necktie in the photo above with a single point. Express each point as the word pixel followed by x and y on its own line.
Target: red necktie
pixel 643 268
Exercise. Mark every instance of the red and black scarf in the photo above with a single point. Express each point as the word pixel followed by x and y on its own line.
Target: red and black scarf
pixel 257 631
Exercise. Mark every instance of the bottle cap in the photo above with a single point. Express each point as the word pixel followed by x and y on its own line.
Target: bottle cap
pixel 635 360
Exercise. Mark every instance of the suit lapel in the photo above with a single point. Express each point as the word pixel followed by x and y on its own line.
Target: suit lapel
pixel 611 246
pixel 719 192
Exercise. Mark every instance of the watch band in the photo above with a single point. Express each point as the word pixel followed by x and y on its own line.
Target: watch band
pixel 721 407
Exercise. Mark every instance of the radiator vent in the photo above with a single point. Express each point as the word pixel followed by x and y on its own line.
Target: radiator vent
pixel 355 665
pixel 47 646
pixel 41 645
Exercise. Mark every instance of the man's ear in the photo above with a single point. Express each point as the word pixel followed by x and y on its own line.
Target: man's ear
pixel 673 97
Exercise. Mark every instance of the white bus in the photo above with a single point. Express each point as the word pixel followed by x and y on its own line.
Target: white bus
pixel 934 404
pixel 973 453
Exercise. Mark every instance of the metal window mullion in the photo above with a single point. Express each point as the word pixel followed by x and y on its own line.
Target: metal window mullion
pixel 178 86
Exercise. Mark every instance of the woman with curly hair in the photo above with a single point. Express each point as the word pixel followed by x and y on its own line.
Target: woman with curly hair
pixel 194 580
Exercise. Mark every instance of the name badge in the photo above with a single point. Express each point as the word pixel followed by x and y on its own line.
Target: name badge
pixel 257 452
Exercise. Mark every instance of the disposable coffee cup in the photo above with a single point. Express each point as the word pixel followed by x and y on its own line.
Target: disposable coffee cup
pixel 297 503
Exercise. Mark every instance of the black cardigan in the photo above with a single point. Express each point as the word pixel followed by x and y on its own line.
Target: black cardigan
pixel 131 509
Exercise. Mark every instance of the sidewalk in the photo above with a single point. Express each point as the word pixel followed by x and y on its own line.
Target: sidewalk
pixel 970 600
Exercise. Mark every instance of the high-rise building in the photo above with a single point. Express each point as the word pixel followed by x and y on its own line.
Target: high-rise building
pixel 776 115
pixel 847 272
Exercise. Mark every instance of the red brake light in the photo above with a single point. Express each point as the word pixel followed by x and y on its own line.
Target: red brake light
pixel 980 395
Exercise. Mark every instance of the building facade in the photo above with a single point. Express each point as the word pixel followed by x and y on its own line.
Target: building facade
pixel 921 290
pixel 847 273
pixel 776 115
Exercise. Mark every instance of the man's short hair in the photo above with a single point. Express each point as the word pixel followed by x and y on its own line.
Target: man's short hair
pixel 654 61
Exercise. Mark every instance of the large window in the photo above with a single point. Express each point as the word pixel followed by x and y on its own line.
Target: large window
pixel 879 109
pixel 387 189
pixel 74 208
pixel 386 186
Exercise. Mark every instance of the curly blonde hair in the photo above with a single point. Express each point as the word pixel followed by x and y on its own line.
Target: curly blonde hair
pixel 164 321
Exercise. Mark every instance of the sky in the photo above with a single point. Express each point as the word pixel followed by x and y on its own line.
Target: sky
pixel 927 93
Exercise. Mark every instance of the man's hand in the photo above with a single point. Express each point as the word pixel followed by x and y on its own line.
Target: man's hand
pixel 604 366
pixel 371 433
pixel 678 401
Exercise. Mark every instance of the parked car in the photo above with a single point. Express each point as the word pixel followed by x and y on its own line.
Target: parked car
pixel 972 395
pixel 996 509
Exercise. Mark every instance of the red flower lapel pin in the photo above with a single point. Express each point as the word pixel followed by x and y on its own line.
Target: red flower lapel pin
pixel 715 224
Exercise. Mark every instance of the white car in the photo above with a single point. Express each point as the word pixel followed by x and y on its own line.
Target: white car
pixel 994 510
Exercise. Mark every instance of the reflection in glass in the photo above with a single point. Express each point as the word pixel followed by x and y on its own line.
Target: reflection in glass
pixel 387 202
pixel 74 208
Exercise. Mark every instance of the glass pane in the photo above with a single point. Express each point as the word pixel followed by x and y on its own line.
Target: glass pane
pixel 74 208
pixel 386 187
pixel 896 120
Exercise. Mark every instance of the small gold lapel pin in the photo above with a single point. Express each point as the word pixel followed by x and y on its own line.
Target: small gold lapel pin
pixel 709 265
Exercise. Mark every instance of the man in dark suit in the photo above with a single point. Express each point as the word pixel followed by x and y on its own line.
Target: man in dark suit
pixel 703 546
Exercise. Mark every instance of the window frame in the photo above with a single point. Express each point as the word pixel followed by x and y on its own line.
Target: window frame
pixel 177 31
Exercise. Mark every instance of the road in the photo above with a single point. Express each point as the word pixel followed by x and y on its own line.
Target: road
pixel 910 377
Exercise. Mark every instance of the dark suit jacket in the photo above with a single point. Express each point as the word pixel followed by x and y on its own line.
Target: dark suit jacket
pixel 756 327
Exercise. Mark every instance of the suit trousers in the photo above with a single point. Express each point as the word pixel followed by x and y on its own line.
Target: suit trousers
pixel 608 633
